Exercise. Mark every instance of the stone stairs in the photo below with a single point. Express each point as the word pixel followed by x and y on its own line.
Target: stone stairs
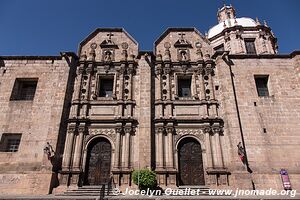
pixel 88 191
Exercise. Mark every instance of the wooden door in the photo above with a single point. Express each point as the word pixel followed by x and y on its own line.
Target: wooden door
pixel 98 162
pixel 190 162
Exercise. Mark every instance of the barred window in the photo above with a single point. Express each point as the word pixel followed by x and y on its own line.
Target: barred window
pixel 10 142
pixel 261 83
pixel 24 89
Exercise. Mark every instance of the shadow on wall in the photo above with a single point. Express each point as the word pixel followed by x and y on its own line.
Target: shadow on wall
pixel 57 160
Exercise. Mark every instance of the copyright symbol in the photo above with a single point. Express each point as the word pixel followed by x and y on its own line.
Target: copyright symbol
pixel 116 191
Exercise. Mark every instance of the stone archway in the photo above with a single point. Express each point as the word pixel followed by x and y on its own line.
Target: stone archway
pixel 98 162
pixel 190 162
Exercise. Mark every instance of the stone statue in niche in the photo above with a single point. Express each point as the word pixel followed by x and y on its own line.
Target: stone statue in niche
pixel 183 55
pixel 108 56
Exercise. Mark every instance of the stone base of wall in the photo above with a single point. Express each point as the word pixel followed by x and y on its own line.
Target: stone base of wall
pixel 262 181
pixel 26 184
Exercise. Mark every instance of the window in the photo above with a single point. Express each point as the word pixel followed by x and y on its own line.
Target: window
pixel 228 15
pixel 262 85
pixel 24 89
pixel 219 48
pixel 106 87
pixel 10 142
pixel 250 46
pixel 184 87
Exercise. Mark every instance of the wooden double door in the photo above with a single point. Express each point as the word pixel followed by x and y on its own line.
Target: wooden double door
pixel 98 162
pixel 190 162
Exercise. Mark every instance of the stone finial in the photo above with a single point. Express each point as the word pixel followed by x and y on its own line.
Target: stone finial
pixel 159 57
pixel 257 21
pixel 131 57
pixel 206 34
pixel 92 54
pixel 124 54
pixel 83 56
pixel 265 23
pixel 235 22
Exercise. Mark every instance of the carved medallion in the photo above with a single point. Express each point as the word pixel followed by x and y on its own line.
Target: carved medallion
pixel 167 45
pixel 124 45
pixel 93 45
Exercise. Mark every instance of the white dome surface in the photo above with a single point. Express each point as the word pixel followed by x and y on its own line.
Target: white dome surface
pixel 243 21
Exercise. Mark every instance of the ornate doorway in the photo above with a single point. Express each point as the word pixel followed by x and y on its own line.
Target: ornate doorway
pixel 190 162
pixel 98 162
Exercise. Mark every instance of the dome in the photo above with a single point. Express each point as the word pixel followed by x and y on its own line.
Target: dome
pixel 243 21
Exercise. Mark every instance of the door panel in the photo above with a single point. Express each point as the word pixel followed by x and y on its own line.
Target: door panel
pixel 98 163
pixel 190 163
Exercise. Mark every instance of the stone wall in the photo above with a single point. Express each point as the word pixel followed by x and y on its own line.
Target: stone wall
pixel 28 171
pixel 270 124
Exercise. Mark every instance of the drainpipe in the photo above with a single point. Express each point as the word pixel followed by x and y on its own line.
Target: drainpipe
pixel 229 62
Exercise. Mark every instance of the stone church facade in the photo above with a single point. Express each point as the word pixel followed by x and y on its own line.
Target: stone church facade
pixel 181 110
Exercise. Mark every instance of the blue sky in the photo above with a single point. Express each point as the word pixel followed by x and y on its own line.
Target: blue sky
pixel 36 27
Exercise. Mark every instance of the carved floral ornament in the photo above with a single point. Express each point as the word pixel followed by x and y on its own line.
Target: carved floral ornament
pixel 198 133
pixel 107 132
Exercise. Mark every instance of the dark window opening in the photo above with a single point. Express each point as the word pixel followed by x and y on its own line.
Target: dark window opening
pixel 250 46
pixel 10 142
pixel 24 89
pixel 219 48
pixel 228 15
pixel 106 87
pixel 184 87
pixel 262 85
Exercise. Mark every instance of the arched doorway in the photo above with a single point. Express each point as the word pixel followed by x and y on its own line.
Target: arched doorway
pixel 98 162
pixel 190 162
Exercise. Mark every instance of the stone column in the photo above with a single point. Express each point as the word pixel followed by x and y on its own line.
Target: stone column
pixel 169 148
pixel 115 85
pixel 194 88
pixel 127 148
pixel 218 132
pixel 78 148
pixel 77 88
pixel 118 145
pixel 201 82
pixel 167 71
pixel 168 81
pixel 130 81
pixel 68 149
pixel 121 89
pixel 87 90
pixel 212 90
pixel 159 148
pixel 218 161
pixel 208 148
pixel 158 92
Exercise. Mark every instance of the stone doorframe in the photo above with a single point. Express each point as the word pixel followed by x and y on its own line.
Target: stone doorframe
pixel 205 157
pixel 86 146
